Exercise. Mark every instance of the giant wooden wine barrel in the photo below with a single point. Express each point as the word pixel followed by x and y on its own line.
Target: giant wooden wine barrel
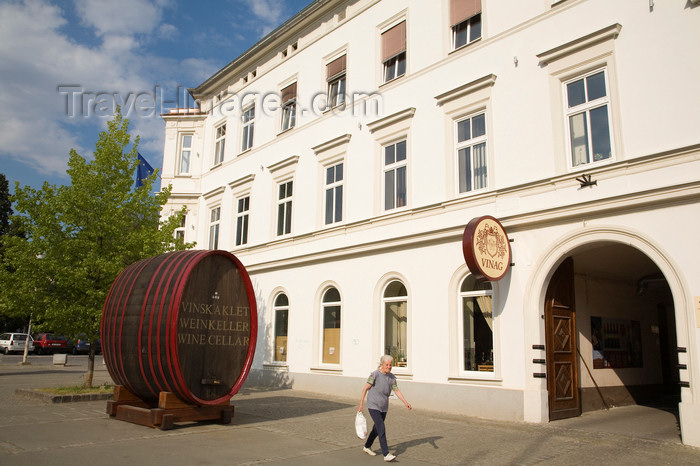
pixel 183 322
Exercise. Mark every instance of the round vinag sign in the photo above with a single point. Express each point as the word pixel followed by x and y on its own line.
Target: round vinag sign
pixel 486 248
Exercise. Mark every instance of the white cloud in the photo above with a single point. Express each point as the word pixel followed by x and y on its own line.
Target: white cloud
pixel 123 17
pixel 268 11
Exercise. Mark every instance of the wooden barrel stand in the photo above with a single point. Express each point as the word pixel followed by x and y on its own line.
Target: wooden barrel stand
pixel 169 410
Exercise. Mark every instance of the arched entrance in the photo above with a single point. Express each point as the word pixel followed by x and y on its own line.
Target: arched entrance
pixel 616 302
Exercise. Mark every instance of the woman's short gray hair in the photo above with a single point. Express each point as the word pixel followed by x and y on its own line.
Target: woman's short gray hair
pixel 385 358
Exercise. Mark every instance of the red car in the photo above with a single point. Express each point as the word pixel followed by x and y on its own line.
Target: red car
pixel 47 343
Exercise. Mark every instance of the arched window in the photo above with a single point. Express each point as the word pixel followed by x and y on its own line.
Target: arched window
pixel 281 316
pixel 476 329
pixel 331 326
pixel 395 300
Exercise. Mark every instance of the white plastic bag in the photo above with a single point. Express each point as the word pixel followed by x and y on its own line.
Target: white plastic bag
pixel 360 425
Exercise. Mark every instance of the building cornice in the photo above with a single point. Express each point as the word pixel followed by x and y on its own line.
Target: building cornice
pixel 602 35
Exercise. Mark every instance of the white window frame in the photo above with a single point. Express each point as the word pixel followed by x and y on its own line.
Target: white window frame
pixel 469 22
pixel 399 365
pixel 284 207
pixel 585 109
pixel 322 337
pixel 460 331
pixel 392 66
pixel 470 144
pixel 185 168
pixel 242 219
pixel 214 227
pixel 248 128
pixel 331 189
pixel 275 316
pixel 336 90
pixel 219 144
pixel 180 231
pixel 394 167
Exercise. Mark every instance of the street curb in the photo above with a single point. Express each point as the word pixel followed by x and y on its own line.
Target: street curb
pixel 51 398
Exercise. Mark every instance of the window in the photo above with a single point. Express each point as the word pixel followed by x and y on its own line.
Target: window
pixel 334 194
pixel 331 326
pixel 281 311
pixel 471 153
pixel 185 154
pixel 242 221
pixel 214 220
pixel 289 107
pixel 284 209
pixel 465 19
pixel 180 231
pixel 395 175
pixel 476 315
pixel 335 75
pixel 219 145
pixel 394 52
pixel 395 300
pixel 588 118
pixel 248 128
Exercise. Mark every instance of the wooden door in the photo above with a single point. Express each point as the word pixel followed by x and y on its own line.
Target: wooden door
pixel 562 357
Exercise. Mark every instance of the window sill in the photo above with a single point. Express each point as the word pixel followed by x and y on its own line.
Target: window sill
pixel 386 83
pixel 476 378
pixel 243 152
pixel 462 47
pixel 278 366
pixel 285 130
pixel 334 370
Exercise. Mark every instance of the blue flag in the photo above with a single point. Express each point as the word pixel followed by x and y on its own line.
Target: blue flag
pixel 143 171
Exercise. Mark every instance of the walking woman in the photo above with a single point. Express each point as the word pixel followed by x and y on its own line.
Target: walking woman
pixel 378 388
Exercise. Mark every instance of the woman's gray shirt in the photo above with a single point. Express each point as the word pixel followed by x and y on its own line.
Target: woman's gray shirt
pixel 382 385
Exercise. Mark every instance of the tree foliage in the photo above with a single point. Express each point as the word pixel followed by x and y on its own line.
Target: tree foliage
pixel 80 236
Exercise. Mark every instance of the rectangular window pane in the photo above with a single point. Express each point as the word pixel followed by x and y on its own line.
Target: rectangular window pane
pixel 339 172
pixel 330 175
pixel 479 125
pixel 478 333
pixel 389 154
pixel 464 130
pixel 600 133
pixel 480 180
pixel 389 190
pixel 400 151
pixel 395 332
pixel 465 170
pixel 576 93
pixel 460 34
pixel 338 203
pixel 288 217
pixel 579 139
pixel 185 162
pixel 595 85
pixel 329 206
pixel 474 28
pixel 401 187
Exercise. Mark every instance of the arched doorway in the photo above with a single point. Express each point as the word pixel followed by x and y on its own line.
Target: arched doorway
pixel 623 316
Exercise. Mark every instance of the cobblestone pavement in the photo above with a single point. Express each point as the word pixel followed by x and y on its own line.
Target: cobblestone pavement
pixel 301 428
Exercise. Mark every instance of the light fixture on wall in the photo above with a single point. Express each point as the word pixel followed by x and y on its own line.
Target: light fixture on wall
pixel 515 61
pixel 586 181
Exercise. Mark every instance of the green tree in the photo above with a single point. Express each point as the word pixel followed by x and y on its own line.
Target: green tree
pixel 5 205
pixel 79 237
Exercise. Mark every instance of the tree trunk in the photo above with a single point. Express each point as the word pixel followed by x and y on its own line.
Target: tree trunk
pixel 91 366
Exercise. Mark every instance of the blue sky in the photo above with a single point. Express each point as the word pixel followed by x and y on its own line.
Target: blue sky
pixel 63 63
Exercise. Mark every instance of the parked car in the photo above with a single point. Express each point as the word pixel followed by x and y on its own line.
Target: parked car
pixel 14 343
pixel 47 343
pixel 82 345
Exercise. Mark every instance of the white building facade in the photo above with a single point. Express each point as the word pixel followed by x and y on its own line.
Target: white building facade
pixel 341 157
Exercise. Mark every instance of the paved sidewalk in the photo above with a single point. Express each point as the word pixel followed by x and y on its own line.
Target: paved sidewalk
pixel 301 428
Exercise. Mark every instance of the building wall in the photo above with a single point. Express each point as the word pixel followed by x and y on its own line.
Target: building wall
pixel 646 195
